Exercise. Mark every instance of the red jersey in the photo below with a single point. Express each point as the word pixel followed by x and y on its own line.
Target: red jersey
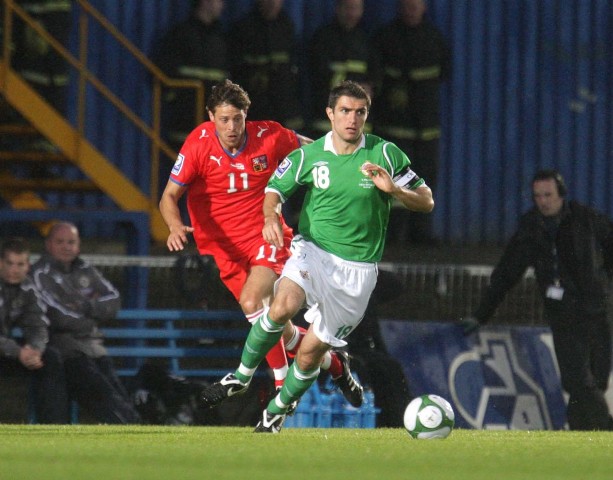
pixel 226 191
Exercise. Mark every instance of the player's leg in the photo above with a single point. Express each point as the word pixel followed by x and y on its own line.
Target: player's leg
pixel 301 375
pixel 252 283
pixel 289 298
pixel 256 293
pixel 333 361
pixel 264 334
pixel 339 304
pixel 303 372
pixel 338 293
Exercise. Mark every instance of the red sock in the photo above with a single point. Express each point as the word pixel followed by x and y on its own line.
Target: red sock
pixel 295 342
pixel 336 367
pixel 277 359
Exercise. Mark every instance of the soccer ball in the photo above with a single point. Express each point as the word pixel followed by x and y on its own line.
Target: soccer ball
pixel 429 416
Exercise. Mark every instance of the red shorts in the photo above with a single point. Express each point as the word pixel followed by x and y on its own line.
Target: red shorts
pixel 233 272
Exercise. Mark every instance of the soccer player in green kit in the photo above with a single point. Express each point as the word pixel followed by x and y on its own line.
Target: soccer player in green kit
pixel 351 179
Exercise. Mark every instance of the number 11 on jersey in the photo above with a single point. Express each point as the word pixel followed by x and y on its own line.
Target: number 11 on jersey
pixel 273 253
pixel 232 180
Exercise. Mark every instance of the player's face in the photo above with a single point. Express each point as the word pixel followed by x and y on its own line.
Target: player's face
pixel 14 267
pixel 348 118
pixel 64 245
pixel 546 197
pixel 230 125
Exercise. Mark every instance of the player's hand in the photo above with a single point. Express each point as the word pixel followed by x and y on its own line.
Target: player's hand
pixel 273 231
pixel 379 176
pixel 177 239
pixel 469 325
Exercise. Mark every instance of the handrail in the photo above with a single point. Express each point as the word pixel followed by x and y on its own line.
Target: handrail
pixel 161 80
pixel 86 77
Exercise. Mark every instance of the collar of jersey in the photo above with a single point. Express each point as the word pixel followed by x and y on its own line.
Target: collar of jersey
pixel 329 146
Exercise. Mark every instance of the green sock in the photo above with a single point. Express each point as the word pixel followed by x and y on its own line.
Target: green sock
pixel 295 384
pixel 262 337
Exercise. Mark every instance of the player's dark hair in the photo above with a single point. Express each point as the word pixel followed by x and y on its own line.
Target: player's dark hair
pixel 551 174
pixel 348 88
pixel 14 245
pixel 230 93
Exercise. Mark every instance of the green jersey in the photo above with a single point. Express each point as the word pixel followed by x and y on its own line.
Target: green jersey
pixel 343 213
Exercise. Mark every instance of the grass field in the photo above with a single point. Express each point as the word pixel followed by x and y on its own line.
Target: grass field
pixel 216 453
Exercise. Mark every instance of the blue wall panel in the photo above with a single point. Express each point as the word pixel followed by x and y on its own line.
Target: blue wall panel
pixel 531 88
pixel 502 378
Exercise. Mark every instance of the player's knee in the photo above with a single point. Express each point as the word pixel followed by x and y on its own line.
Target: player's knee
pixel 307 361
pixel 251 305
pixel 281 312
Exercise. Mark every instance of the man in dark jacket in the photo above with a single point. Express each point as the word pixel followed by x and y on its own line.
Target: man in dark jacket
pixel 263 46
pixel 77 298
pixel 570 247
pixel 22 307
pixel 195 49
pixel 415 60
pixel 338 51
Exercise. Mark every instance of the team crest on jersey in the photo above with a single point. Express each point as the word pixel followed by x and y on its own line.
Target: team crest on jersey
pixel 176 168
pixel 283 167
pixel 260 163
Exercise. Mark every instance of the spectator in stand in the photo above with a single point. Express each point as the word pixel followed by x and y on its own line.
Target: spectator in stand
pixel 570 247
pixel 78 297
pixel 264 52
pixel 415 59
pixel 21 306
pixel 338 51
pixel 195 49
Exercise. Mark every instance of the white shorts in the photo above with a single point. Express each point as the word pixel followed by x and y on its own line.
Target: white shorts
pixel 337 291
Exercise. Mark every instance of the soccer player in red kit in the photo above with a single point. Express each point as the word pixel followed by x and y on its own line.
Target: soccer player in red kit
pixel 225 164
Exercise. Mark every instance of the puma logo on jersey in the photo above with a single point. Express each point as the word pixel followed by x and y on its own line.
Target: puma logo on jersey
pixel 216 159
pixel 203 134
pixel 261 132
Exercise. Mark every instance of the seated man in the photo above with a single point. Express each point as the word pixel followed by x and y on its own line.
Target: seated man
pixel 21 306
pixel 77 298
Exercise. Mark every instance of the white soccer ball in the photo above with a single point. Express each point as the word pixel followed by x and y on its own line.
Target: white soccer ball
pixel 428 417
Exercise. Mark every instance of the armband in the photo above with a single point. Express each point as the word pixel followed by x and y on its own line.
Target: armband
pixel 407 178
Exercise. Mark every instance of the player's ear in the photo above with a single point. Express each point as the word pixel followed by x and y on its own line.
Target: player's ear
pixel 330 113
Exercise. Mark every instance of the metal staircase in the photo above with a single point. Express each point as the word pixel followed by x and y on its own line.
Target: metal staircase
pixel 44 157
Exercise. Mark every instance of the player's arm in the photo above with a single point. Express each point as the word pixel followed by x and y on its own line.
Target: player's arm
pixel 169 208
pixel 304 140
pixel 272 230
pixel 418 199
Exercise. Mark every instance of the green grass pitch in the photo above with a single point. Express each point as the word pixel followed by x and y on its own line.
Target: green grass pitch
pixel 216 453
